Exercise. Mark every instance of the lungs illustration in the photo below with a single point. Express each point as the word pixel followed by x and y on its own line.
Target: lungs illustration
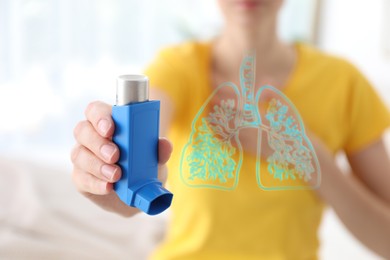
pixel 213 156
pixel 286 159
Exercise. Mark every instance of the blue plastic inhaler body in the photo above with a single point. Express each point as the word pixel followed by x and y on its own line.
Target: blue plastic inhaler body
pixel 136 134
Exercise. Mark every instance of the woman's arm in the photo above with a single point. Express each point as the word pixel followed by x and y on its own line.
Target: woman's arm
pixel 361 200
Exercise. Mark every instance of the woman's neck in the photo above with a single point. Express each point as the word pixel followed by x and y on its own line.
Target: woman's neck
pixel 273 57
pixel 244 38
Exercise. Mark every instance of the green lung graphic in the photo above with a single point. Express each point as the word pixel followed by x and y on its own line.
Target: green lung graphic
pixel 213 156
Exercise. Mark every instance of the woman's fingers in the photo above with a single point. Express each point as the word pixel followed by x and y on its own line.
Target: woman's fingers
pixel 86 135
pixel 164 150
pixel 86 161
pixel 164 153
pixel 99 114
pixel 90 174
pixel 88 183
pixel 95 155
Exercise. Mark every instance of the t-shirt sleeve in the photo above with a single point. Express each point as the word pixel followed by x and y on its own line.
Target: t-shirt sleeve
pixel 368 116
pixel 164 74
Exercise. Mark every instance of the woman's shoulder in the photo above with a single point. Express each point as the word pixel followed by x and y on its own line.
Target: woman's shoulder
pixel 185 53
pixel 318 59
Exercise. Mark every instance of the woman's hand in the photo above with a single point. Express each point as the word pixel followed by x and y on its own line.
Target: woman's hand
pixel 95 155
pixel 361 198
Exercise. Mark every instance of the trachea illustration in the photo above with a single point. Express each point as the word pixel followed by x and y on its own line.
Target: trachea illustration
pixel 285 158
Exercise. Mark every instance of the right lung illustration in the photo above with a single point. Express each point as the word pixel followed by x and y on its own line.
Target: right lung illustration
pixel 213 156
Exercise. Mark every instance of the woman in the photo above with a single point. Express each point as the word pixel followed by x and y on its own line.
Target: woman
pixel 340 111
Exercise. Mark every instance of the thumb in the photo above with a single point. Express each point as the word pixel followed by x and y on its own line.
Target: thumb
pixel 164 150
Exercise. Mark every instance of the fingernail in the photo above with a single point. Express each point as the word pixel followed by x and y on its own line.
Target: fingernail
pixel 107 151
pixel 108 171
pixel 104 126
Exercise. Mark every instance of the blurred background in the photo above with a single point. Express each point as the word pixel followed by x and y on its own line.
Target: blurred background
pixel 58 55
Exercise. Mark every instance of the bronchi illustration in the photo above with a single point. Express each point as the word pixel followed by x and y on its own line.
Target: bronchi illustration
pixel 213 156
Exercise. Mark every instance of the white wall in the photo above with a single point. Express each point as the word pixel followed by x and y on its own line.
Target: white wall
pixel 355 30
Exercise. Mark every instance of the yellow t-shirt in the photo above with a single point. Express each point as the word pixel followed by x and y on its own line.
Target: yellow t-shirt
pixel 336 103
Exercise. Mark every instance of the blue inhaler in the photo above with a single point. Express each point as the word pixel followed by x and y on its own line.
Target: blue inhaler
pixel 136 134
